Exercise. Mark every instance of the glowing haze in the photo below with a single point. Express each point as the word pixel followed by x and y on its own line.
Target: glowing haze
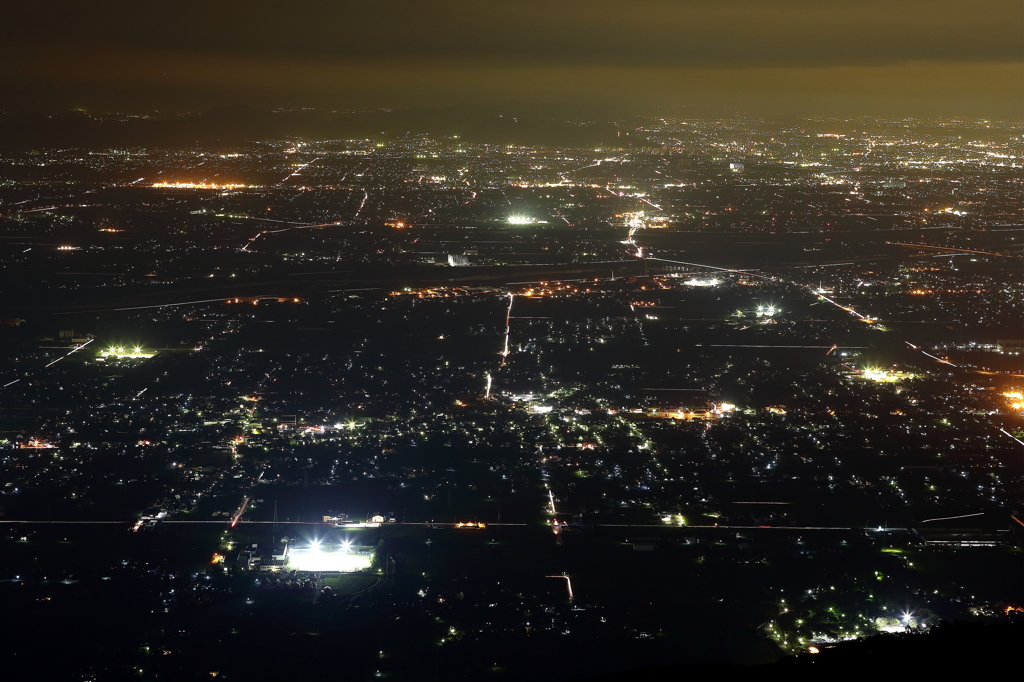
pixel 845 57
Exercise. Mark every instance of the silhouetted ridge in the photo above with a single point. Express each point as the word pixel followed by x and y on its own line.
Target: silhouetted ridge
pixel 239 124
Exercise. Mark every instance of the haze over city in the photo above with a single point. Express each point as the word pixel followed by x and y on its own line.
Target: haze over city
pixel 791 57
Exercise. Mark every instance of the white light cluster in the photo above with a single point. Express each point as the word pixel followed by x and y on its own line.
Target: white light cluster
pixel 334 559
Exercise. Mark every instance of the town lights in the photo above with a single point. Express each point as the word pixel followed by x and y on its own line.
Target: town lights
pixel 1016 398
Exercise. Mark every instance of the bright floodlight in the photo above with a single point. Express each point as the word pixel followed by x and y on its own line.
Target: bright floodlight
pixel 519 220
pixel 328 558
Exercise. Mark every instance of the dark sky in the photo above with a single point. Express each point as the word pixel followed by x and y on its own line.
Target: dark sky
pixel 842 57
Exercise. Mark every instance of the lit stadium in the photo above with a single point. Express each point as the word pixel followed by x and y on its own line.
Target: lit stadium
pixel 330 557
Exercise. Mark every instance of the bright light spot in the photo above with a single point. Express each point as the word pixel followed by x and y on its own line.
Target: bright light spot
pixel 317 557
pixel 695 282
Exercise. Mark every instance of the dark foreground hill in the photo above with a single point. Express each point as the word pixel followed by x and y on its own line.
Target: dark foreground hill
pixel 949 649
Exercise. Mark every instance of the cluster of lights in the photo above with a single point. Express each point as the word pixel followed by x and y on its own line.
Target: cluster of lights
pixel 122 352
pixel 36 443
pixel 698 282
pixel 885 376
pixel 1017 398
pixel 256 299
pixel 195 185
pixel 335 559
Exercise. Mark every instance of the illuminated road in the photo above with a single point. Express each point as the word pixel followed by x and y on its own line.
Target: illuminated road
pixel 951 250
pixel 283 229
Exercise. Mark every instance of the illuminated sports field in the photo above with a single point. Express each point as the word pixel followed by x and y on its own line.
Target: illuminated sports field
pixel 329 558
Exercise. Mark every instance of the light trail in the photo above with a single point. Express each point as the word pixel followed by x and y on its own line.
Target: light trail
pixel 950 248
pixel 739 345
pixel 568 583
pixel 298 171
pixel 824 265
pixel 1010 435
pixel 321 272
pixel 74 350
pixel 238 514
pixel 164 305
pixel 712 267
pixel 714 527
pixel 281 523
pixel 124 523
pixel 366 197
pixel 841 307
pixel 946 362
pixel 283 229
pixel 508 322
pixel 10 382
pixel 948 518
pixel 341 291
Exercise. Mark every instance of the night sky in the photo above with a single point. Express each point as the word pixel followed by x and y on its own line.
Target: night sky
pixel 759 57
